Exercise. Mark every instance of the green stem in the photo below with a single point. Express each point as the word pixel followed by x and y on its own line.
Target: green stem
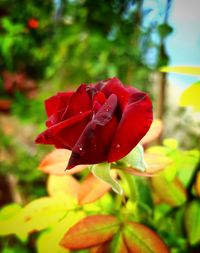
pixel 130 181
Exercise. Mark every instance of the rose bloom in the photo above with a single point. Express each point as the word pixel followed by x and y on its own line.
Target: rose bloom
pixel 33 23
pixel 99 122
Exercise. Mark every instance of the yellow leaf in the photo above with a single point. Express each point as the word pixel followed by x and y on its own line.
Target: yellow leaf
pixel 186 70
pixel 39 214
pixel 49 241
pixel 190 96
pixel 65 184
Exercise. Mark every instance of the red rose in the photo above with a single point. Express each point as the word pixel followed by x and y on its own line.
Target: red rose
pixel 100 122
pixel 33 23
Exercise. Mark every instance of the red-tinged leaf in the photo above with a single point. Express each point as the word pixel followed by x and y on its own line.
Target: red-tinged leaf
pixel 102 248
pixel 5 104
pixel 65 184
pixel 92 189
pixel 171 192
pixel 154 132
pixel 140 239
pixel 90 231
pixel 55 163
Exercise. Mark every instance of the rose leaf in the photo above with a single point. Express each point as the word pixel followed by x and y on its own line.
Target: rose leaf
pixel 90 231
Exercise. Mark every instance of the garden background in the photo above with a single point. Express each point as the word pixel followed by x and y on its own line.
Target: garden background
pixel 49 46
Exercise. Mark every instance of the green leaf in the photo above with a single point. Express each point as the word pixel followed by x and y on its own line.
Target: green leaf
pixel 164 30
pixel 192 221
pixel 186 70
pixel 117 244
pixel 139 238
pixel 103 172
pixel 188 163
pixel 135 159
pixel 90 231
pixel 9 211
pixel 9 223
pixel 190 96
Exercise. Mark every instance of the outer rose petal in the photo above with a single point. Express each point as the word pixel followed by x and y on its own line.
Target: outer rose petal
pixel 66 133
pixel 135 122
pixel 94 143
pixel 57 102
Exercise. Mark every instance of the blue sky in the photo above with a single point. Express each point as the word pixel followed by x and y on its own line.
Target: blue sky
pixel 183 45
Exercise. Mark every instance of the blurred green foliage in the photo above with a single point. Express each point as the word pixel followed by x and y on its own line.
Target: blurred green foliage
pixel 88 40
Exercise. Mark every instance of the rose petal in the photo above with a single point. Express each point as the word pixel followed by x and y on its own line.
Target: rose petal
pixel 57 102
pixel 55 118
pixel 94 143
pixel 114 86
pixel 66 133
pixel 79 102
pixel 134 124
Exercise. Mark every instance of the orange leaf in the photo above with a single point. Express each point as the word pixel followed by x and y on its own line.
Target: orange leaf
pixel 136 172
pixel 156 162
pixel 141 239
pixel 171 192
pixel 197 184
pixel 90 231
pixel 92 189
pixel 153 133
pixel 56 162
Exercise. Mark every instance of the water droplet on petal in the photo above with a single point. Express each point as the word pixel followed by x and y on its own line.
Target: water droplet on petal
pixel 80 112
pixel 80 149
pixel 117 146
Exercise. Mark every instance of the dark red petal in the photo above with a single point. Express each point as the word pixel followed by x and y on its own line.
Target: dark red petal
pixel 135 122
pixel 94 143
pixel 55 118
pixel 66 133
pixel 57 102
pixel 79 102
pixel 114 86
pixel 51 105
